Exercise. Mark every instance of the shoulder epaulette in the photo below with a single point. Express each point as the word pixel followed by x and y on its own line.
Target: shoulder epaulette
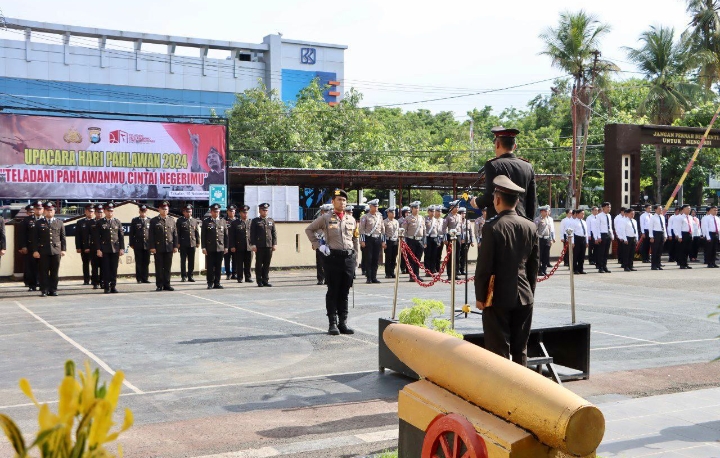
pixel 523 159
pixel 493 218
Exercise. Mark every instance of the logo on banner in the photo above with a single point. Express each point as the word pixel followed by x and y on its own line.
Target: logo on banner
pixel 120 136
pixel 308 56
pixel 218 195
pixel 94 133
pixel 72 136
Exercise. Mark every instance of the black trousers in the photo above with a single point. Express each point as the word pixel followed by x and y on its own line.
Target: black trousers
pixel 86 259
pixel 371 256
pixel 32 270
pixel 230 269
pixel 439 254
pixel 695 247
pixel 417 248
pixel 462 257
pixel 629 252
pixel 320 266
pixel 262 265
pixel 545 245
pixel 214 261
pixel 242 262
pixel 579 253
pixel 187 261
pixel 682 249
pixel 109 269
pixel 592 255
pixel 49 267
pixel 603 249
pixel 142 265
pixel 507 331
pixel 672 247
pixel 566 257
pixel 711 248
pixel 621 253
pixel 163 266
pixel 339 279
pixel 431 254
pixel 391 253
pixel 452 258
pixel 645 247
pixel 657 248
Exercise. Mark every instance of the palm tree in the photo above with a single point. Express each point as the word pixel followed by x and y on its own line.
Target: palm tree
pixel 666 65
pixel 704 34
pixel 574 48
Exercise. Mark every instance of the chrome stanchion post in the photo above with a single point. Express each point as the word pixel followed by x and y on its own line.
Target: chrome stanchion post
pixel 401 236
pixel 453 244
pixel 570 244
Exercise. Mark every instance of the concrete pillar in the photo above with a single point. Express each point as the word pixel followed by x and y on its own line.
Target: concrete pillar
pixel 273 63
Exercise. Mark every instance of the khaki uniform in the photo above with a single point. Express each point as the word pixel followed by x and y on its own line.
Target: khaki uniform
pixel 415 238
pixel 391 230
pixel 452 222
pixel 371 232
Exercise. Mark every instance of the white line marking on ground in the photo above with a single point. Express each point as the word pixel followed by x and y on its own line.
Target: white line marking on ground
pixel 87 352
pixel 274 317
pixel 656 343
pixel 626 337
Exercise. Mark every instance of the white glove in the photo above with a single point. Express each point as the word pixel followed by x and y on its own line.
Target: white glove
pixel 324 249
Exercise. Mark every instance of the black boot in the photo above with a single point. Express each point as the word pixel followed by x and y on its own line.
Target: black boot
pixel 333 328
pixel 343 327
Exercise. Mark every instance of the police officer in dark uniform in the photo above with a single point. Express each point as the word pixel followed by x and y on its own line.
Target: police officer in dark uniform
pixel 163 243
pixel 230 266
pixel 189 234
pixel 83 240
pixel 518 170
pixel 509 252
pixel 110 242
pixel 25 239
pixel 239 237
pixel 96 261
pixel 48 247
pixel 263 239
pixel 3 239
pixel 138 241
pixel 214 245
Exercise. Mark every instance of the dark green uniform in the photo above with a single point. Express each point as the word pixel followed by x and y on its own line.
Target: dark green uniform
pixel 138 241
pixel 510 252
pixel 521 173
pixel 215 242
pixel 163 238
pixel 189 235
pixel 49 242
pixel 25 242
pixel 239 235
pixel 264 238
pixel 83 242
pixel 109 239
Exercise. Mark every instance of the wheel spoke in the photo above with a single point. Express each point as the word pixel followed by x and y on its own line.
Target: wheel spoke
pixel 456 446
pixel 445 446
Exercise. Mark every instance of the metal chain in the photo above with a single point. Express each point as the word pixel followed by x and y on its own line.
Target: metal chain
pixel 555 267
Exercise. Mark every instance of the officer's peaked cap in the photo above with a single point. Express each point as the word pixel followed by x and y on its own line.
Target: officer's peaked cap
pixel 501 131
pixel 505 185
pixel 264 206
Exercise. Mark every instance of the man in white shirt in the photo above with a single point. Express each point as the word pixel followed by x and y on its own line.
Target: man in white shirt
pixel 683 236
pixel 645 231
pixel 658 234
pixel 696 235
pixel 672 241
pixel 606 235
pixel 564 224
pixel 580 238
pixel 620 223
pixel 629 239
pixel 546 237
pixel 590 221
pixel 710 227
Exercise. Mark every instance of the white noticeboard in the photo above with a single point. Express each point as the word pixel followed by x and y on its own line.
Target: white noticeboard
pixel 714 182
pixel 284 201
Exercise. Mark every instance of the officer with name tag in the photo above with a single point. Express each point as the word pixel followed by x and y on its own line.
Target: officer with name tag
pixel 415 236
pixel 263 238
pixel 319 256
pixel 25 241
pixel 49 246
pixel 546 237
pixel 391 231
pixel 239 235
pixel 371 240
pixel 189 234
pixel 433 226
pixel 230 266
pixel 164 242
pixel 440 238
pixel 214 242
pixel 110 243
pixel 138 241
pixel 452 221
pixel 340 262
pixel 83 240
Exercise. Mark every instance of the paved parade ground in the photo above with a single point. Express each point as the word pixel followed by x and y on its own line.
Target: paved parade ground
pixel 251 370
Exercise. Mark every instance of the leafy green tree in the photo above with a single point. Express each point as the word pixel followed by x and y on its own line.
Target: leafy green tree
pixel 704 35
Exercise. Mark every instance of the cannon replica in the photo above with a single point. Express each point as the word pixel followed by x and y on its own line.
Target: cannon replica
pixel 472 403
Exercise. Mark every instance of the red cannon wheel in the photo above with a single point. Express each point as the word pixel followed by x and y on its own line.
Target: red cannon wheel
pixel 452 436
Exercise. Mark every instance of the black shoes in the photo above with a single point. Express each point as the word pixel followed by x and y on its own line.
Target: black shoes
pixel 52 293
pixel 169 288
pixel 343 327
pixel 96 286
pixel 113 290
pixel 320 282
pixel 267 284
pixel 260 285
pixel 85 283
pixel 210 287
pixel 43 294
pixel 182 279
pixel 159 288
pixel 376 280
pixel 146 281
pixel 248 280
pixel 368 281
pixel 191 280
pixel 218 286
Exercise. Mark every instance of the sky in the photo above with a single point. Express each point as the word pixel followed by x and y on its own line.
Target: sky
pixel 399 52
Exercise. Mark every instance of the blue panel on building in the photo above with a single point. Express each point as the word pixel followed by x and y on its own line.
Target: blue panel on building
pixel 294 81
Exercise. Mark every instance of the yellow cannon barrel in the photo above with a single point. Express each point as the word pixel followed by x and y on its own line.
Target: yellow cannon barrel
pixel 557 416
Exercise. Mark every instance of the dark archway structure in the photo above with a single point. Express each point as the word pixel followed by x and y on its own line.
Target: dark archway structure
pixel 622 155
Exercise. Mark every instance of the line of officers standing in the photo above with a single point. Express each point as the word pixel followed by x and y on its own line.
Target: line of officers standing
pixel 681 233
pixel 100 240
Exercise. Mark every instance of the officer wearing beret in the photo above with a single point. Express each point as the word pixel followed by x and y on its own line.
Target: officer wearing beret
pixel 110 242
pixel 189 234
pixel 25 241
pixel 371 240
pixel 518 170
pixel 214 242
pixel 138 241
pixel 239 235
pixel 83 240
pixel 163 242
pixel 263 239
pixel 96 271
pixel 338 227
pixel 48 247
pixel 509 252
pixel 230 266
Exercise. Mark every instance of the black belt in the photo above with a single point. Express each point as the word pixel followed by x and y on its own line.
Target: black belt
pixel 342 253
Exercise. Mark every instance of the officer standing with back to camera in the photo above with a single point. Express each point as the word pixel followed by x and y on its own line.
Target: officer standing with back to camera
pixel 49 246
pixel 339 249
pixel 230 266
pixel 138 241
pixel 164 242
pixel 509 252
pixel 189 235
pixel 110 242
pixel 263 239
pixel 518 170
pixel 25 239
pixel 83 240
pixel 214 245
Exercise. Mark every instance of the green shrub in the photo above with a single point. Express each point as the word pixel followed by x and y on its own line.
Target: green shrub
pixel 427 310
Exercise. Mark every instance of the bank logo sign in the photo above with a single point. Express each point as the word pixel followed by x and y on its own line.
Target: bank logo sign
pixel 308 56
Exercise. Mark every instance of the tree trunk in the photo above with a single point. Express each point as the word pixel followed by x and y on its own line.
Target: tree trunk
pixel 658 174
pixel 581 171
